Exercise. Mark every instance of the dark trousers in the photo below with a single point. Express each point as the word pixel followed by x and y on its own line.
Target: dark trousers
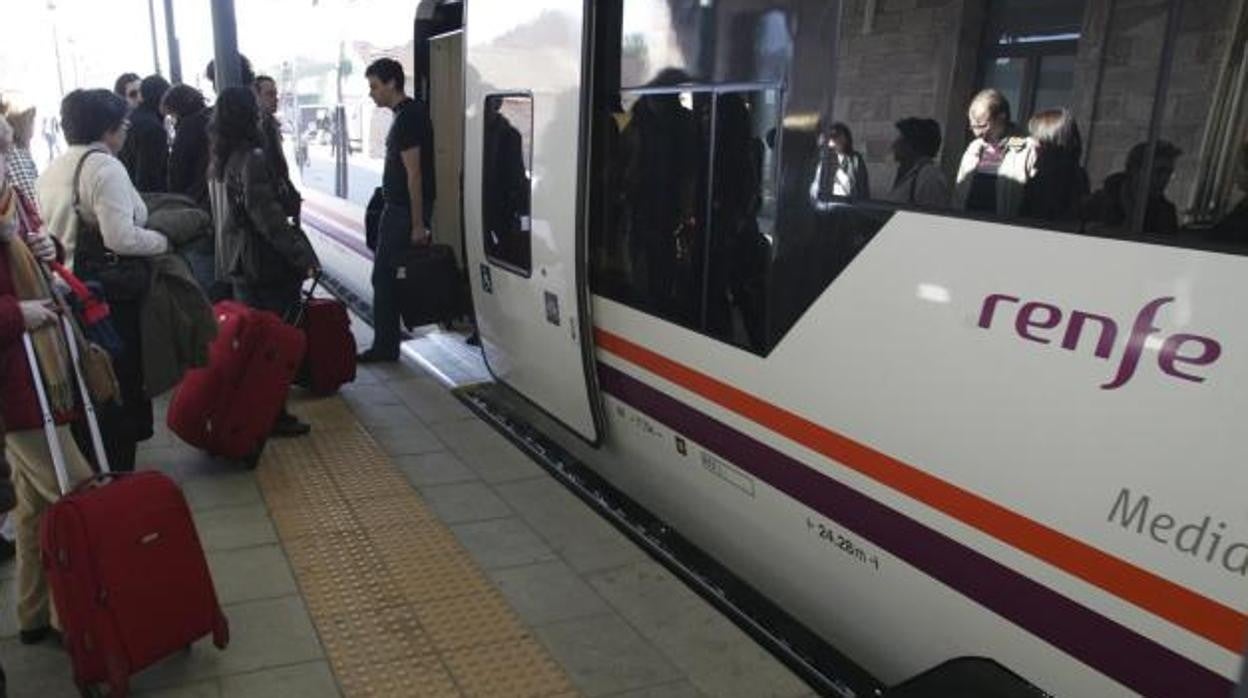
pixel 278 298
pixel 125 423
pixel 394 237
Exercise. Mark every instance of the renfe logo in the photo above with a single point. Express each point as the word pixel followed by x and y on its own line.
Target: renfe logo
pixel 1177 350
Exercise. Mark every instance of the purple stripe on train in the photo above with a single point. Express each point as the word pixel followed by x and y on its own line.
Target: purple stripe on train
pixel 1112 649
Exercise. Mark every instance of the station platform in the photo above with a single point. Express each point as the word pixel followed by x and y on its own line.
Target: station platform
pixel 405 548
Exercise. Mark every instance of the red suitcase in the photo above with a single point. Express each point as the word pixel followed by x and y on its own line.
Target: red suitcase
pixel 330 359
pixel 124 563
pixel 229 407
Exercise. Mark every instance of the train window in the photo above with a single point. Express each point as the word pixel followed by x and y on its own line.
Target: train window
pixel 506 176
pixel 1051 114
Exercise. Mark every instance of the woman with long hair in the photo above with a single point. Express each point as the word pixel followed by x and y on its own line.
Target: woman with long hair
pixel 841 171
pixel 260 251
pixel 1056 191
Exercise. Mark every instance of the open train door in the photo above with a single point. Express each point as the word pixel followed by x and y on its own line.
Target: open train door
pixel 524 154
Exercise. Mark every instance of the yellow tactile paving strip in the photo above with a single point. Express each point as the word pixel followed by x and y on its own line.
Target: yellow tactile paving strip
pixel 400 606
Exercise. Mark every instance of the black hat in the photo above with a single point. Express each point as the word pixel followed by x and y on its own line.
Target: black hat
pixel 923 135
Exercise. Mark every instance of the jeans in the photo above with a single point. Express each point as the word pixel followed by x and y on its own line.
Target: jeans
pixel 394 237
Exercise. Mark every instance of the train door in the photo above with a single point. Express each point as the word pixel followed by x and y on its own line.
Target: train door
pixel 524 149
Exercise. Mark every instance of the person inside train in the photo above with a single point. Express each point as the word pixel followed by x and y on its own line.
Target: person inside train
pixel 126 86
pixel 997 164
pixel 408 191
pixel 1057 190
pixel 661 173
pixel 840 171
pixel 505 211
pixel 1109 210
pixel 270 128
pixel 738 250
pixel 919 180
pixel 146 152
pixel 1233 228
pixel 259 250
pixel 26 307
pixel 189 153
pixel 91 206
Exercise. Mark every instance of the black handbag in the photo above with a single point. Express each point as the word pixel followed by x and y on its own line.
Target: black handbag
pixel 372 218
pixel 120 278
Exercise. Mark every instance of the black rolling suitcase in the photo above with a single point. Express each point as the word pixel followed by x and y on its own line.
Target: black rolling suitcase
pixel 428 286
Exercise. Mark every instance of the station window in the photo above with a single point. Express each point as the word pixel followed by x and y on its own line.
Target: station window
pixel 1029 52
pixel 506 176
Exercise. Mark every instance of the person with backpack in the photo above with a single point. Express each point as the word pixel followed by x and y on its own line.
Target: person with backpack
pixel 264 254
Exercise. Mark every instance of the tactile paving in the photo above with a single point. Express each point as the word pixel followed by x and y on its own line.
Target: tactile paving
pixel 511 670
pixel 401 608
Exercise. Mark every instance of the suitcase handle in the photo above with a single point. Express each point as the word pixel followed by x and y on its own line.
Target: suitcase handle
pixel 301 309
pixel 49 422
pixel 98 481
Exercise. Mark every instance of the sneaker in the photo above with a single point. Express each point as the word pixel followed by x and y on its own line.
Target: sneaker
pixel 289 425
pixel 372 356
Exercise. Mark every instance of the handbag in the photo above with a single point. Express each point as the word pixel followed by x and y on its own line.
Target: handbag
pixel 97 370
pixel 121 278
pixel 372 218
pixel 89 318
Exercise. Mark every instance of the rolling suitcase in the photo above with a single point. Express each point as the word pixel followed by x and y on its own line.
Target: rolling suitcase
pixel 229 407
pixel 428 286
pixel 123 561
pixel 330 359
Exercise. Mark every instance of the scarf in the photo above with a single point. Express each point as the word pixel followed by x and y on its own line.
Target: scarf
pixel 29 283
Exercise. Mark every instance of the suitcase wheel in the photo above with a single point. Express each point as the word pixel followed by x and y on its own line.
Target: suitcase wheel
pixel 221 632
pixel 251 460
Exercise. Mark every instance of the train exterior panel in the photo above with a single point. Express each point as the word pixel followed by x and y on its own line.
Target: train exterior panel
pixel 935 455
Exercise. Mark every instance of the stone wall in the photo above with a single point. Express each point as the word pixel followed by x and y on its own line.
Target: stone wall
pixel 1130 59
pixel 896 70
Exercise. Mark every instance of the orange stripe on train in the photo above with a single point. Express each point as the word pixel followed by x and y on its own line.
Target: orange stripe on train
pixel 1203 616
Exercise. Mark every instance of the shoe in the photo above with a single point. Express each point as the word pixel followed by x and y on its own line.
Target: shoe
pixel 35 636
pixel 372 356
pixel 289 425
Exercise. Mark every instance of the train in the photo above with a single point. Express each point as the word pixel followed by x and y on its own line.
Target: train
pixel 950 445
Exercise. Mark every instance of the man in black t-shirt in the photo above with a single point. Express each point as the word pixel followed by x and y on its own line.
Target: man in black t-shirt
pixel 407 188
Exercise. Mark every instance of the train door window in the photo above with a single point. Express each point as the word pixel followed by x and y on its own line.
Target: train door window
pixel 506 181
pixel 740 229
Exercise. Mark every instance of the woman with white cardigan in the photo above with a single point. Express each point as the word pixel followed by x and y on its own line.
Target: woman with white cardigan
pixel 90 205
